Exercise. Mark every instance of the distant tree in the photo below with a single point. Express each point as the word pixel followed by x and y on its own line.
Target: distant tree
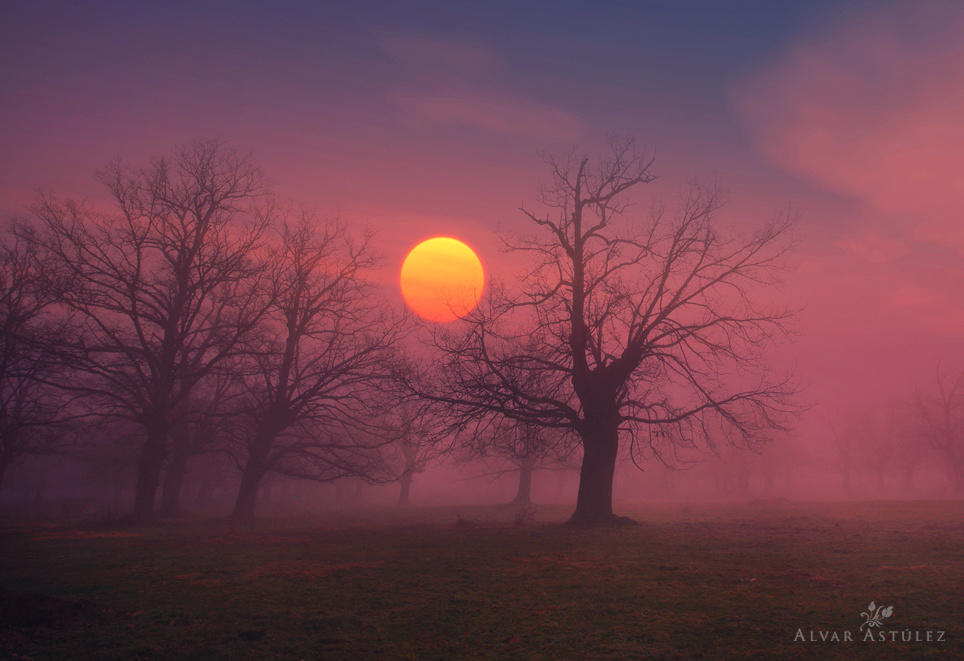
pixel 418 439
pixel 911 448
pixel 880 439
pixel 529 448
pixel 32 412
pixel 941 415
pixel 843 439
pixel 161 290
pixel 626 326
pixel 108 448
pixel 198 427
pixel 312 397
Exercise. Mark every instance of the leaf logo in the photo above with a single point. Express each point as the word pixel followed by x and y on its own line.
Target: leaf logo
pixel 875 615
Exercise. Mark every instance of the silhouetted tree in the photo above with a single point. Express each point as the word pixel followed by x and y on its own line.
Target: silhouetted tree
pixel 311 395
pixel 31 410
pixel 625 326
pixel 942 420
pixel 528 448
pixel 418 437
pixel 197 428
pixel 161 290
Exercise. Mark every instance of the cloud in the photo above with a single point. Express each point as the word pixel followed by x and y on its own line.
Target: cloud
pixel 461 84
pixel 492 112
pixel 873 110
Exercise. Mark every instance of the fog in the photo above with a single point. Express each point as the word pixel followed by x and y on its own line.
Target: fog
pixel 182 348
pixel 866 464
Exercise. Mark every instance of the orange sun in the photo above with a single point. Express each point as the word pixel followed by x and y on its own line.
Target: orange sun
pixel 442 279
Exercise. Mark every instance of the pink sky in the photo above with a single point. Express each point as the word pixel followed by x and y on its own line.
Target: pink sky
pixel 854 124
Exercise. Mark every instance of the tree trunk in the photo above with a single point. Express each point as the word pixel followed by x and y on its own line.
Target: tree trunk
pixel 174 481
pixel 405 489
pixel 594 504
pixel 956 470
pixel 254 471
pixel 523 496
pixel 148 472
pixel 248 491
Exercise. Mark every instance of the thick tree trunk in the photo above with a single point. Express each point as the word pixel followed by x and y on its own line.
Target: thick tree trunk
pixel 594 504
pixel 248 491
pixel 174 481
pixel 148 472
pixel 405 489
pixel 523 496
pixel 254 471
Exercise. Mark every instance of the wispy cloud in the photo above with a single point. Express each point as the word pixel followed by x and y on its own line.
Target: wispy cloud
pixel 873 111
pixel 461 84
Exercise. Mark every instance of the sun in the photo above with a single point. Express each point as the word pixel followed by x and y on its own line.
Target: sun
pixel 442 279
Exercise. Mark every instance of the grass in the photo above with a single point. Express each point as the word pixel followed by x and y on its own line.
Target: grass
pixel 696 582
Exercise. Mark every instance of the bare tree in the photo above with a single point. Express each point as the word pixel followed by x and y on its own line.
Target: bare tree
pixel 942 419
pixel 418 435
pixel 626 326
pixel 196 428
pixel 528 448
pixel 161 291
pixel 326 343
pixel 30 409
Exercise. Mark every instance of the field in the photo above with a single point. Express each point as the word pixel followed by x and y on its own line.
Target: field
pixel 689 582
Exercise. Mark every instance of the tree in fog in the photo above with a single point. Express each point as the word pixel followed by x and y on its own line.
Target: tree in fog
pixel 198 427
pixel 843 435
pixel 527 448
pixel 30 408
pixel 941 415
pixel 518 447
pixel 313 372
pixel 880 440
pixel 626 325
pixel 161 290
pixel 911 447
pixel 417 437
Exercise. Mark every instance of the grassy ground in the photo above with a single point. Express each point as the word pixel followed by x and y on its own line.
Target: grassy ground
pixel 693 582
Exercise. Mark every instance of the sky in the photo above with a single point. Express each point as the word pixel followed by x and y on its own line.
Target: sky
pixel 424 118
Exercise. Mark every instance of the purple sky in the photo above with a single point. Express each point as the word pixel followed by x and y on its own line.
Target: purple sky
pixel 432 120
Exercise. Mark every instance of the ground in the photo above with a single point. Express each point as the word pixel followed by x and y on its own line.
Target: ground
pixel 689 582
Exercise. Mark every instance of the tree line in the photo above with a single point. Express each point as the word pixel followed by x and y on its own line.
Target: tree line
pixel 196 314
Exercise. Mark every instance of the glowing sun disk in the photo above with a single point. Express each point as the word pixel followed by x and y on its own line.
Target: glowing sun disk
pixel 442 279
